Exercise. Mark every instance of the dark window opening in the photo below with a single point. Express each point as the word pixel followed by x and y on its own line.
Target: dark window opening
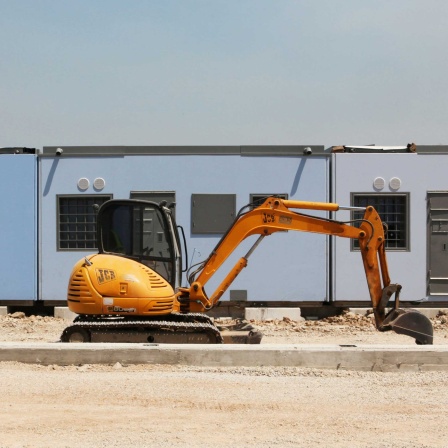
pixel 257 199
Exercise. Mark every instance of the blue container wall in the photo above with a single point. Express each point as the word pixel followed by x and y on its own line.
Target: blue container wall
pixel 287 266
pixel 419 173
pixel 18 224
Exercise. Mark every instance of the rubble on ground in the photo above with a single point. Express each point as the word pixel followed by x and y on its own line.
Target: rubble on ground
pixel 17 327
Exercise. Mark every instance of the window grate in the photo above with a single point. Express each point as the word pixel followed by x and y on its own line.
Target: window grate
pixel 257 199
pixel 393 210
pixel 77 221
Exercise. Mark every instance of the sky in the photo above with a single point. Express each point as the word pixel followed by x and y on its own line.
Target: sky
pixel 223 72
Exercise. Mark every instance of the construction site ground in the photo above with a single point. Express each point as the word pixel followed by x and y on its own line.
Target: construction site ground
pixel 162 405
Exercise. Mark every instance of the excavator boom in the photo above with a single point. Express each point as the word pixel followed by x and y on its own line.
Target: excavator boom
pixel 276 215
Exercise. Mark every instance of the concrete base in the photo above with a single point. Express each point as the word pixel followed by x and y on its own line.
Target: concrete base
pixel 264 314
pixel 64 313
pixel 261 314
pixel 362 357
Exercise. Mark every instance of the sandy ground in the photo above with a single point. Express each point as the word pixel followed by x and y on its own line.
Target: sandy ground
pixel 166 406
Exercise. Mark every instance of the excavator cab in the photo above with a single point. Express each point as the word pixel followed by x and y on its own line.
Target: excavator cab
pixel 143 231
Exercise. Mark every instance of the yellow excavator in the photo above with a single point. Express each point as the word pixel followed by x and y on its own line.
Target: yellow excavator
pixel 131 290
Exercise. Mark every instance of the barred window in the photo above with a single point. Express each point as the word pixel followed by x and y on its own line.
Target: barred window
pixel 393 210
pixel 77 221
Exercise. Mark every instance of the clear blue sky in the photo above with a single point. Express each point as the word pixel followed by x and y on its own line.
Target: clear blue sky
pixel 223 72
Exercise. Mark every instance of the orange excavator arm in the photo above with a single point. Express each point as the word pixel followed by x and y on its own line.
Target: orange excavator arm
pixel 276 215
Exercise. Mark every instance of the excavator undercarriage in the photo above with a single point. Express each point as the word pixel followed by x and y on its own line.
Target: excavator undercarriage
pixel 193 328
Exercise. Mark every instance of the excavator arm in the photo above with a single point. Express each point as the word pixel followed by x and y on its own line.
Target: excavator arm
pixel 276 215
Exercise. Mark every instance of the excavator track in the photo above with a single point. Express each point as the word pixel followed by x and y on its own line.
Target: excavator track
pixel 173 329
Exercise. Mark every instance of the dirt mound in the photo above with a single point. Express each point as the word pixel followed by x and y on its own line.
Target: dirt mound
pixel 18 327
